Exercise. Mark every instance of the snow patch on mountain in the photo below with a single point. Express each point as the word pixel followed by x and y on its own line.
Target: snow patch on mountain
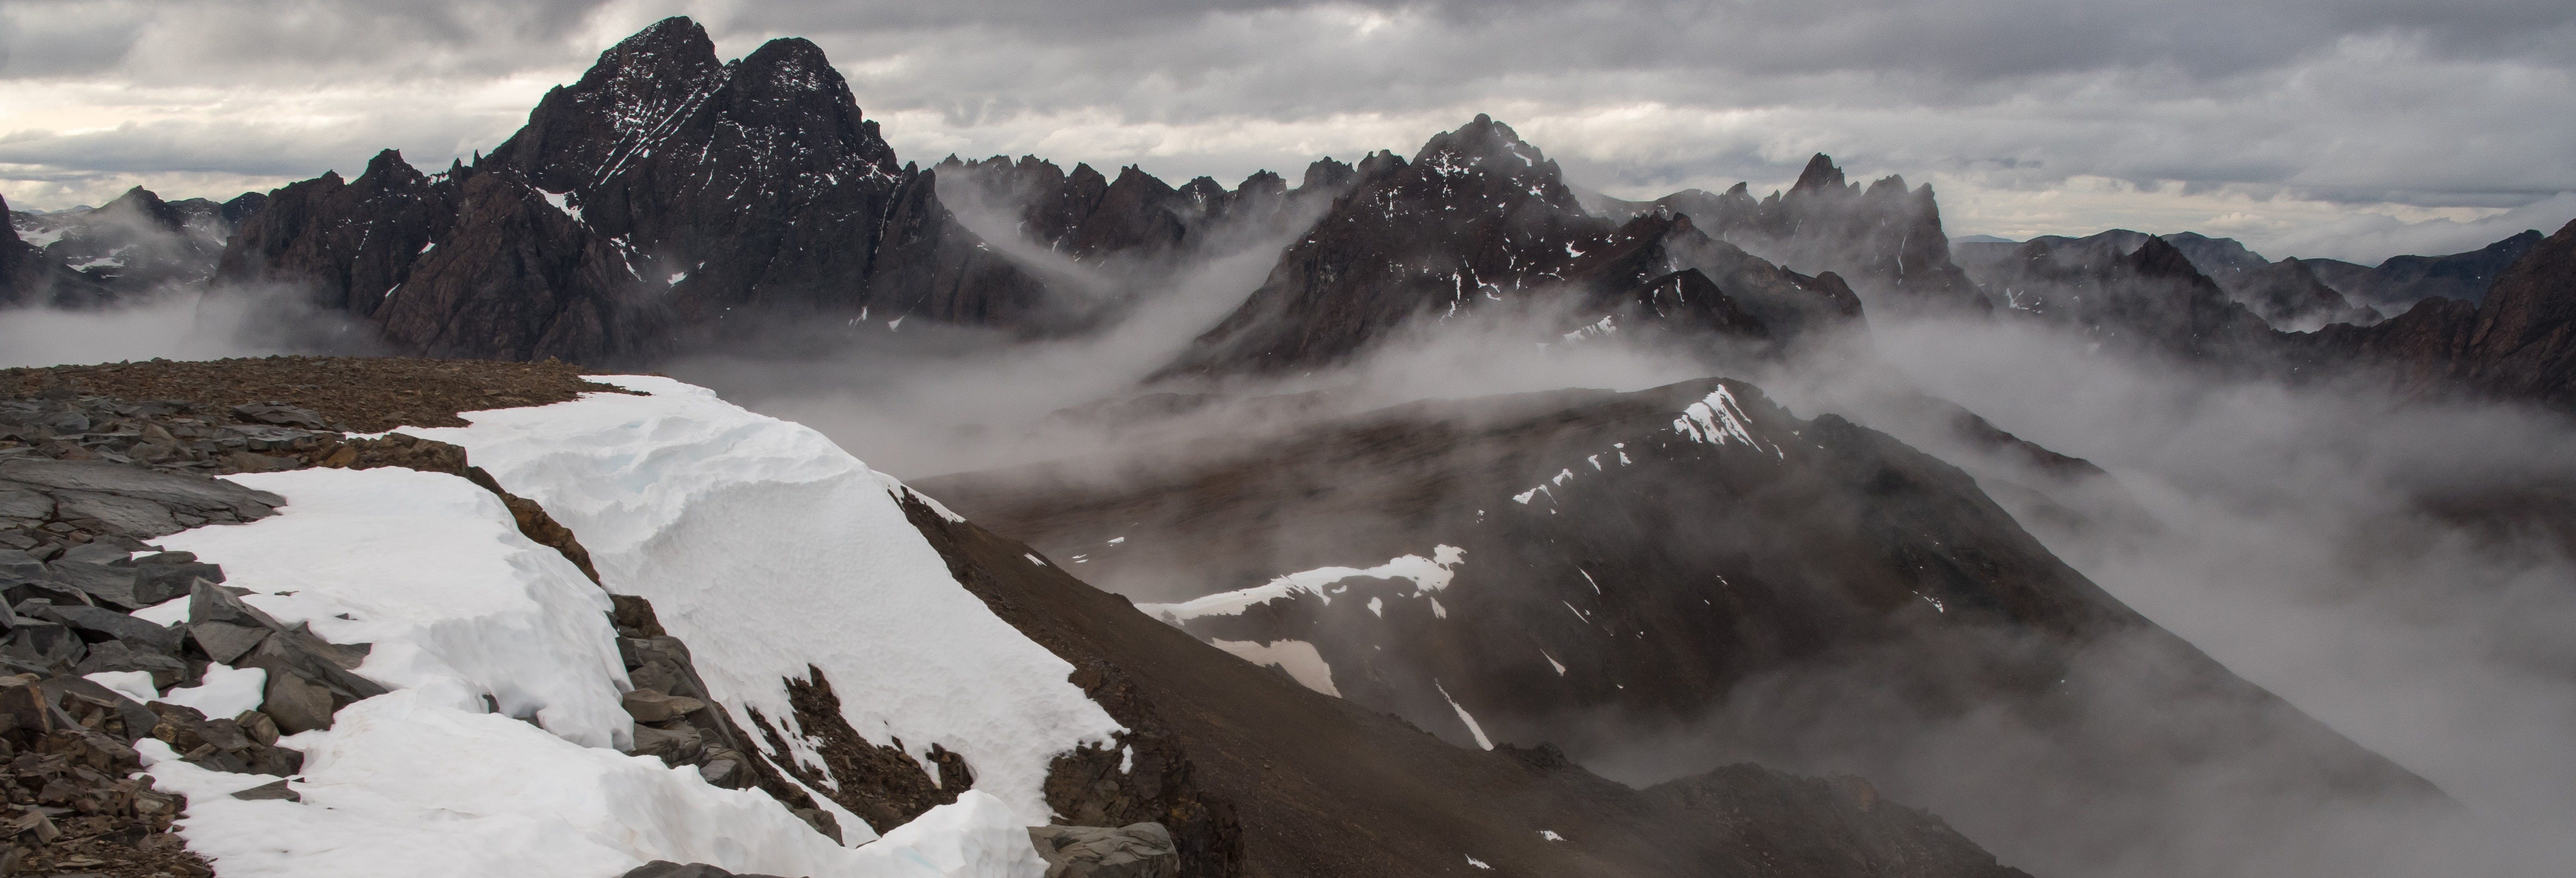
pixel 1297 657
pixel 769 549
pixel 1428 575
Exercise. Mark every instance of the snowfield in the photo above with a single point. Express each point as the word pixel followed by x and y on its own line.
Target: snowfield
pixel 769 549
pixel 763 546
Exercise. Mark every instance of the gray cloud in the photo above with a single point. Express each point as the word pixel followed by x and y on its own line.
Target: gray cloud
pixel 2295 109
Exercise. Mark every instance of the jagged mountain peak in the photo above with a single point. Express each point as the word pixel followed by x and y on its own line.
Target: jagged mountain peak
pixel 1485 144
pixel 1820 173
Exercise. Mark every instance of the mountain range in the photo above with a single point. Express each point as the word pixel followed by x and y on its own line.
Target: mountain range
pixel 1699 630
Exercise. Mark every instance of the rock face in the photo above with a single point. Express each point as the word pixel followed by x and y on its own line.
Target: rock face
pixel 665 198
pixel 1885 239
pixel 2519 343
pixel 2398 283
pixel 1289 782
pixel 1596 569
pixel 1480 219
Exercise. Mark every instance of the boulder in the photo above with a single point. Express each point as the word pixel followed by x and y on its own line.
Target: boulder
pixel 113 586
pixel 296 702
pixel 224 642
pixel 653 706
pixel 96 624
pixel 266 791
pixel 23 706
pixel 282 415
pixel 1137 850
pixel 43 644
pixel 115 655
pixel 675 747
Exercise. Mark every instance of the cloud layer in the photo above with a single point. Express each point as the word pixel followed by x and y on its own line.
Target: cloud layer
pixel 2307 127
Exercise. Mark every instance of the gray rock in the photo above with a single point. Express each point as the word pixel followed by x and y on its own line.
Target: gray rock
pixel 96 553
pixel 113 586
pixel 651 706
pixel 129 516
pixel 102 624
pixel 675 747
pixel 267 791
pixel 114 655
pixel 22 592
pixel 725 773
pixel 224 642
pixel 208 602
pixel 17 502
pixel 201 492
pixel 16 564
pixel 295 703
pixel 281 415
pixel 1137 850
pixel 44 644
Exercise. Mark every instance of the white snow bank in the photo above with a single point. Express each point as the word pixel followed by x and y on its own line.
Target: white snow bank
pixel 1428 575
pixel 1299 658
pixel 226 692
pixel 432 570
pixel 415 783
pixel 136 685
pixel 767 549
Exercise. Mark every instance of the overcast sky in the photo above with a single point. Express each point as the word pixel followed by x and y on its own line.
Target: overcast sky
pixel 2348 128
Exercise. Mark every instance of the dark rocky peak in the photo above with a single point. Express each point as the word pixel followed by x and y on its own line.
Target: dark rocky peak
pixel 1377 165
pixel 2288 295
pixel 1479 219
pixel 2150 297
pixel 346 244
pixel 1206 193
pixel 140 205
pixel 241 207
pixel 2223 259
pixel 1327 174
pixel 1262 184
pixel 2090 251
pixel 1820 175
pixel 2155 258
pixel 1886 238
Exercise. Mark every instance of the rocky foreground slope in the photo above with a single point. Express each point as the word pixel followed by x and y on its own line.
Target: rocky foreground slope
pixel 348 635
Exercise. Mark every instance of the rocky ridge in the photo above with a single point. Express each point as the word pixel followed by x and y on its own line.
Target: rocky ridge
pixel 1481 220
pixel 1497 571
